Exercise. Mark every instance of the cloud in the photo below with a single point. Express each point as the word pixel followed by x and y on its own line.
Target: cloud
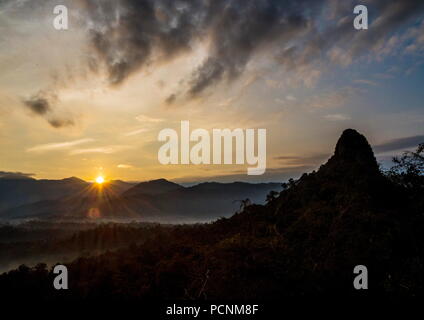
pixel 59 123
pixel 171 99
pixel 42 104
pixel 135 132
pixel 148 123
pixel 246 84
pixel 331 99
pixel 304 37
pixel 280 101
pixel 399 144
pixel 344 44
pixel 415 37
pixel 367 82
pixel 59 145
pixel 124 166
pixel 272 175
pixel 228 102
pixel 145 119
pixel 392 15
pixel 15 175
pixel 38 105
pixel 105 150
pixel 131 34
pixel 296 161
pixel 384 76
pixel 337 117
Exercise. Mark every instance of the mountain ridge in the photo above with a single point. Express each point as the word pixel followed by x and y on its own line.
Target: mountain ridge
pixel 154 199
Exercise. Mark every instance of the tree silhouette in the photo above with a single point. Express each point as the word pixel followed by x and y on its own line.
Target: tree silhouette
pixel 408 170
pixel 243 204
pixel 271 196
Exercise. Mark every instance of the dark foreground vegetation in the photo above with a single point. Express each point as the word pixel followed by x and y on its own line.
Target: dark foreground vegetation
pixel 305 241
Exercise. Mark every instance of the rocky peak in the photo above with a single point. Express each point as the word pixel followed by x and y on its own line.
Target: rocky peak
pixel 353 152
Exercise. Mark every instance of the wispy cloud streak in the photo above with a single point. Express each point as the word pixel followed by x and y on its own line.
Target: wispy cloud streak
pixel 59 145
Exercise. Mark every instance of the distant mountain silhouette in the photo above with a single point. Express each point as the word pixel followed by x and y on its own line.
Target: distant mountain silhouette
pixel 152 187
pixel 158 200
pixel 192 203
pixel 74 180
pixel 24 193
pixel 15 192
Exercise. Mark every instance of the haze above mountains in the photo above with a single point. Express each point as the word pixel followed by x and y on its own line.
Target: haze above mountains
pixel 156 200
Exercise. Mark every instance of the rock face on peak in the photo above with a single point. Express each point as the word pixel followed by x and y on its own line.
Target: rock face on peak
pixel 353 146
pixel 350 178
pixel 353 155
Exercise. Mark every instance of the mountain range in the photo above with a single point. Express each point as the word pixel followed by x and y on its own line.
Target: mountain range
pixel 22 191
pixel 155 200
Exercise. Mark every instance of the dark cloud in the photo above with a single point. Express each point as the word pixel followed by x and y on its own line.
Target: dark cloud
pixel 38 105
pixel 304 161
pixel 270 175
pixel 59 123
pixel 399 144
pixel 243 28
pixel 15 175
pixel 128 35
pixel 131 34
pixel 171 99
pixel 340 43
pixel 42 104
pixel 391 15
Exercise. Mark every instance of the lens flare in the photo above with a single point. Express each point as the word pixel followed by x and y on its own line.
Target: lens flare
pixel 100 179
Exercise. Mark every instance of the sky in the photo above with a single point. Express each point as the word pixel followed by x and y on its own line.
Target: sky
pixel 92 99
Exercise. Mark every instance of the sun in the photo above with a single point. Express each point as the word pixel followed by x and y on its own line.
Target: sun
pixel 100 179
